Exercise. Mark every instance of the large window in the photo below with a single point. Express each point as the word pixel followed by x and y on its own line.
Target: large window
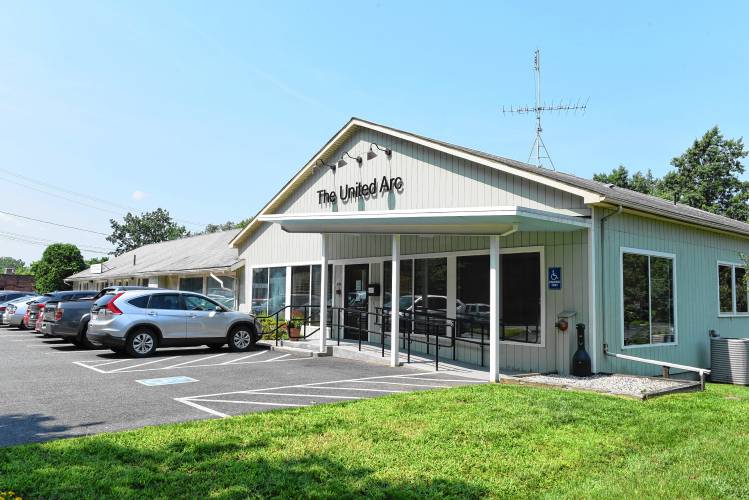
pixel 191 284
pixel 521 296
pixel 221 289
pixel 268 289
pixel 648 295
pixel 473 295
pixel 732 290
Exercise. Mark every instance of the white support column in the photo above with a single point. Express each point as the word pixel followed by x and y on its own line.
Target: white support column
pixel 495 305
pixel 395 302
pixel 593 250
pixel 323 292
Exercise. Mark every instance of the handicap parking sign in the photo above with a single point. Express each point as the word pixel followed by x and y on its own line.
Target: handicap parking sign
pixel 555 278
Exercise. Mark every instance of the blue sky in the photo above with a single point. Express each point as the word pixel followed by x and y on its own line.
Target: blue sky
pixel 208 108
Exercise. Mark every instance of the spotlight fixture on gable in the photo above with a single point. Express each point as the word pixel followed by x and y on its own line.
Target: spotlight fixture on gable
pixel 371 154
pixel 343 162
pixel 319 163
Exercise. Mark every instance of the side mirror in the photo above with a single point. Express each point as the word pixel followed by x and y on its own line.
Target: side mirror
pixel 219 309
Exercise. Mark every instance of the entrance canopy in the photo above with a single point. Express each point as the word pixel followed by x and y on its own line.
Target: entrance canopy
pixel 475 221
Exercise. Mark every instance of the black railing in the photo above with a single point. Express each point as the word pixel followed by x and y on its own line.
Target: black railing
pixel 433 330
pixel 299 317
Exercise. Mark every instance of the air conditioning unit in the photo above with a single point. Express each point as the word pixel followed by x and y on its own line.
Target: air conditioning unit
pixel 10 270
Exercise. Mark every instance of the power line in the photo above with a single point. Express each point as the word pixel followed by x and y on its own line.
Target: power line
pixel 53 223
pixel 101 201
pixel 30 241
pixel 37 239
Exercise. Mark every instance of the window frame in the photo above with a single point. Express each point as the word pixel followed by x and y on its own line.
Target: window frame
pixel 733 266
pixel 648 253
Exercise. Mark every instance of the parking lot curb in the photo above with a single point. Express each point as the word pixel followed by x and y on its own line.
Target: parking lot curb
pixel 301 351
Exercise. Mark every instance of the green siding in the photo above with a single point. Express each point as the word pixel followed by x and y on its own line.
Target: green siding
pixel 697 254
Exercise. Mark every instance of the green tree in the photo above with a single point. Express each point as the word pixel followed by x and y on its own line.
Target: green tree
pixel 706 176
pixel 215 228
pixel 138 230
pixel 641 182
pixel 95 260
pixel 10 262
pixel 58 261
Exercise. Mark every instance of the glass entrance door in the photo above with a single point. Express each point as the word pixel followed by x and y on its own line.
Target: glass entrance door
pixel 355 300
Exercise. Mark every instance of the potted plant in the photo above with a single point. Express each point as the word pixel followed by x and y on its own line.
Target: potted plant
pixel 295 325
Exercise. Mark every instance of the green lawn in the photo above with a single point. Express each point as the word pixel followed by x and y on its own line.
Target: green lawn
pixel 487 440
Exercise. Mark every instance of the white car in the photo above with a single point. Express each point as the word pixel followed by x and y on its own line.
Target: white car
pixel 15 311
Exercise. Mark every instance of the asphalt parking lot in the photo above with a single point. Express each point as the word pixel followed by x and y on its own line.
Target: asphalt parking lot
pixel 50 389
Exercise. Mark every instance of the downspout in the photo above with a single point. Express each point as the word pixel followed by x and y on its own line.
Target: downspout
pixel 603 284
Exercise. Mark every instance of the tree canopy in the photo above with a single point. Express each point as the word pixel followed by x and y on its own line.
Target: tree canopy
pixel 138 230
pixel 6 262
pixel 58 261
pixel 215 228
pixel 640 182
pixel 705 176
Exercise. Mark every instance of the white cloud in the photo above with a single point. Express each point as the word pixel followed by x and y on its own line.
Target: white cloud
pixel 139 195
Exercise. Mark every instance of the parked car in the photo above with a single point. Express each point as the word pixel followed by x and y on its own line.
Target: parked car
pixel 52 306
pixel 69 319
pixel 138 322
pixel 15 309
pixel 35 311
pixel 8 295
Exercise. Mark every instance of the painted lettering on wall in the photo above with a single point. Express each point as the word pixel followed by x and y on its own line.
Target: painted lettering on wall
pixel 361 189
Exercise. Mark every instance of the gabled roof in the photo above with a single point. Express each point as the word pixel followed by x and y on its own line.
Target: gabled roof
pixel 592 192
pixel 186 255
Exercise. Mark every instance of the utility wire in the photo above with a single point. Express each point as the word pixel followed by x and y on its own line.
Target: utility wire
pixel 28 180
pixel 41 243
pixel 45 241
pixel 53 223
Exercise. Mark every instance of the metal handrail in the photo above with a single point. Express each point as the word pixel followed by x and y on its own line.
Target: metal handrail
pixel 282 324
pixel 426 329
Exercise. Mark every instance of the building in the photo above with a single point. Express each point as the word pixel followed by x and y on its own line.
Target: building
pixel 204 263
pixel 17 282
pixel 493 252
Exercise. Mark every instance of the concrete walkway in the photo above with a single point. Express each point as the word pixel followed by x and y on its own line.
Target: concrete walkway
pixel 372 353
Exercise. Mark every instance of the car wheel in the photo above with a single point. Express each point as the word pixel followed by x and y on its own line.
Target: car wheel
pixel 82 340
pixel 241 339
pixel 141 343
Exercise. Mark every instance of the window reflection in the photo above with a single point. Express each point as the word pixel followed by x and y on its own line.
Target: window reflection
pixel 648 296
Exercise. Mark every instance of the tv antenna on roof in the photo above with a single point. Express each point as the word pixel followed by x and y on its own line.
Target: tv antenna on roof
pixel 539 148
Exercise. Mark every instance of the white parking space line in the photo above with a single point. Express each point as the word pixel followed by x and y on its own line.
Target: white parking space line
pixel 142 364
pixel 203 408
pixel 243 357
pixel 359 389
pixel 111 362
pixel 127 370
pixel 400 383
pixel 262 403
pixel 277 358
pixel 315 384
pixel 466 380
pixel 318 387
pixel 16 335
pixel 294 394
pixel 192 361
pixel 90 367
pixel 23 340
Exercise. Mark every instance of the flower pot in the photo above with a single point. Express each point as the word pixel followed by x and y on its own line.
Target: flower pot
pixel 295 333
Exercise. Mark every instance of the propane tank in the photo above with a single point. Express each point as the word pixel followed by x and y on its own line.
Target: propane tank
pixel 581 359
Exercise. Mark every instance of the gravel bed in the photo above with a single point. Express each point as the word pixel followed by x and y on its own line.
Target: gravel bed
pixel 614 384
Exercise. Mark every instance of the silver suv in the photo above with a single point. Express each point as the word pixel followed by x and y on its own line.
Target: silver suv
pixel 138 321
